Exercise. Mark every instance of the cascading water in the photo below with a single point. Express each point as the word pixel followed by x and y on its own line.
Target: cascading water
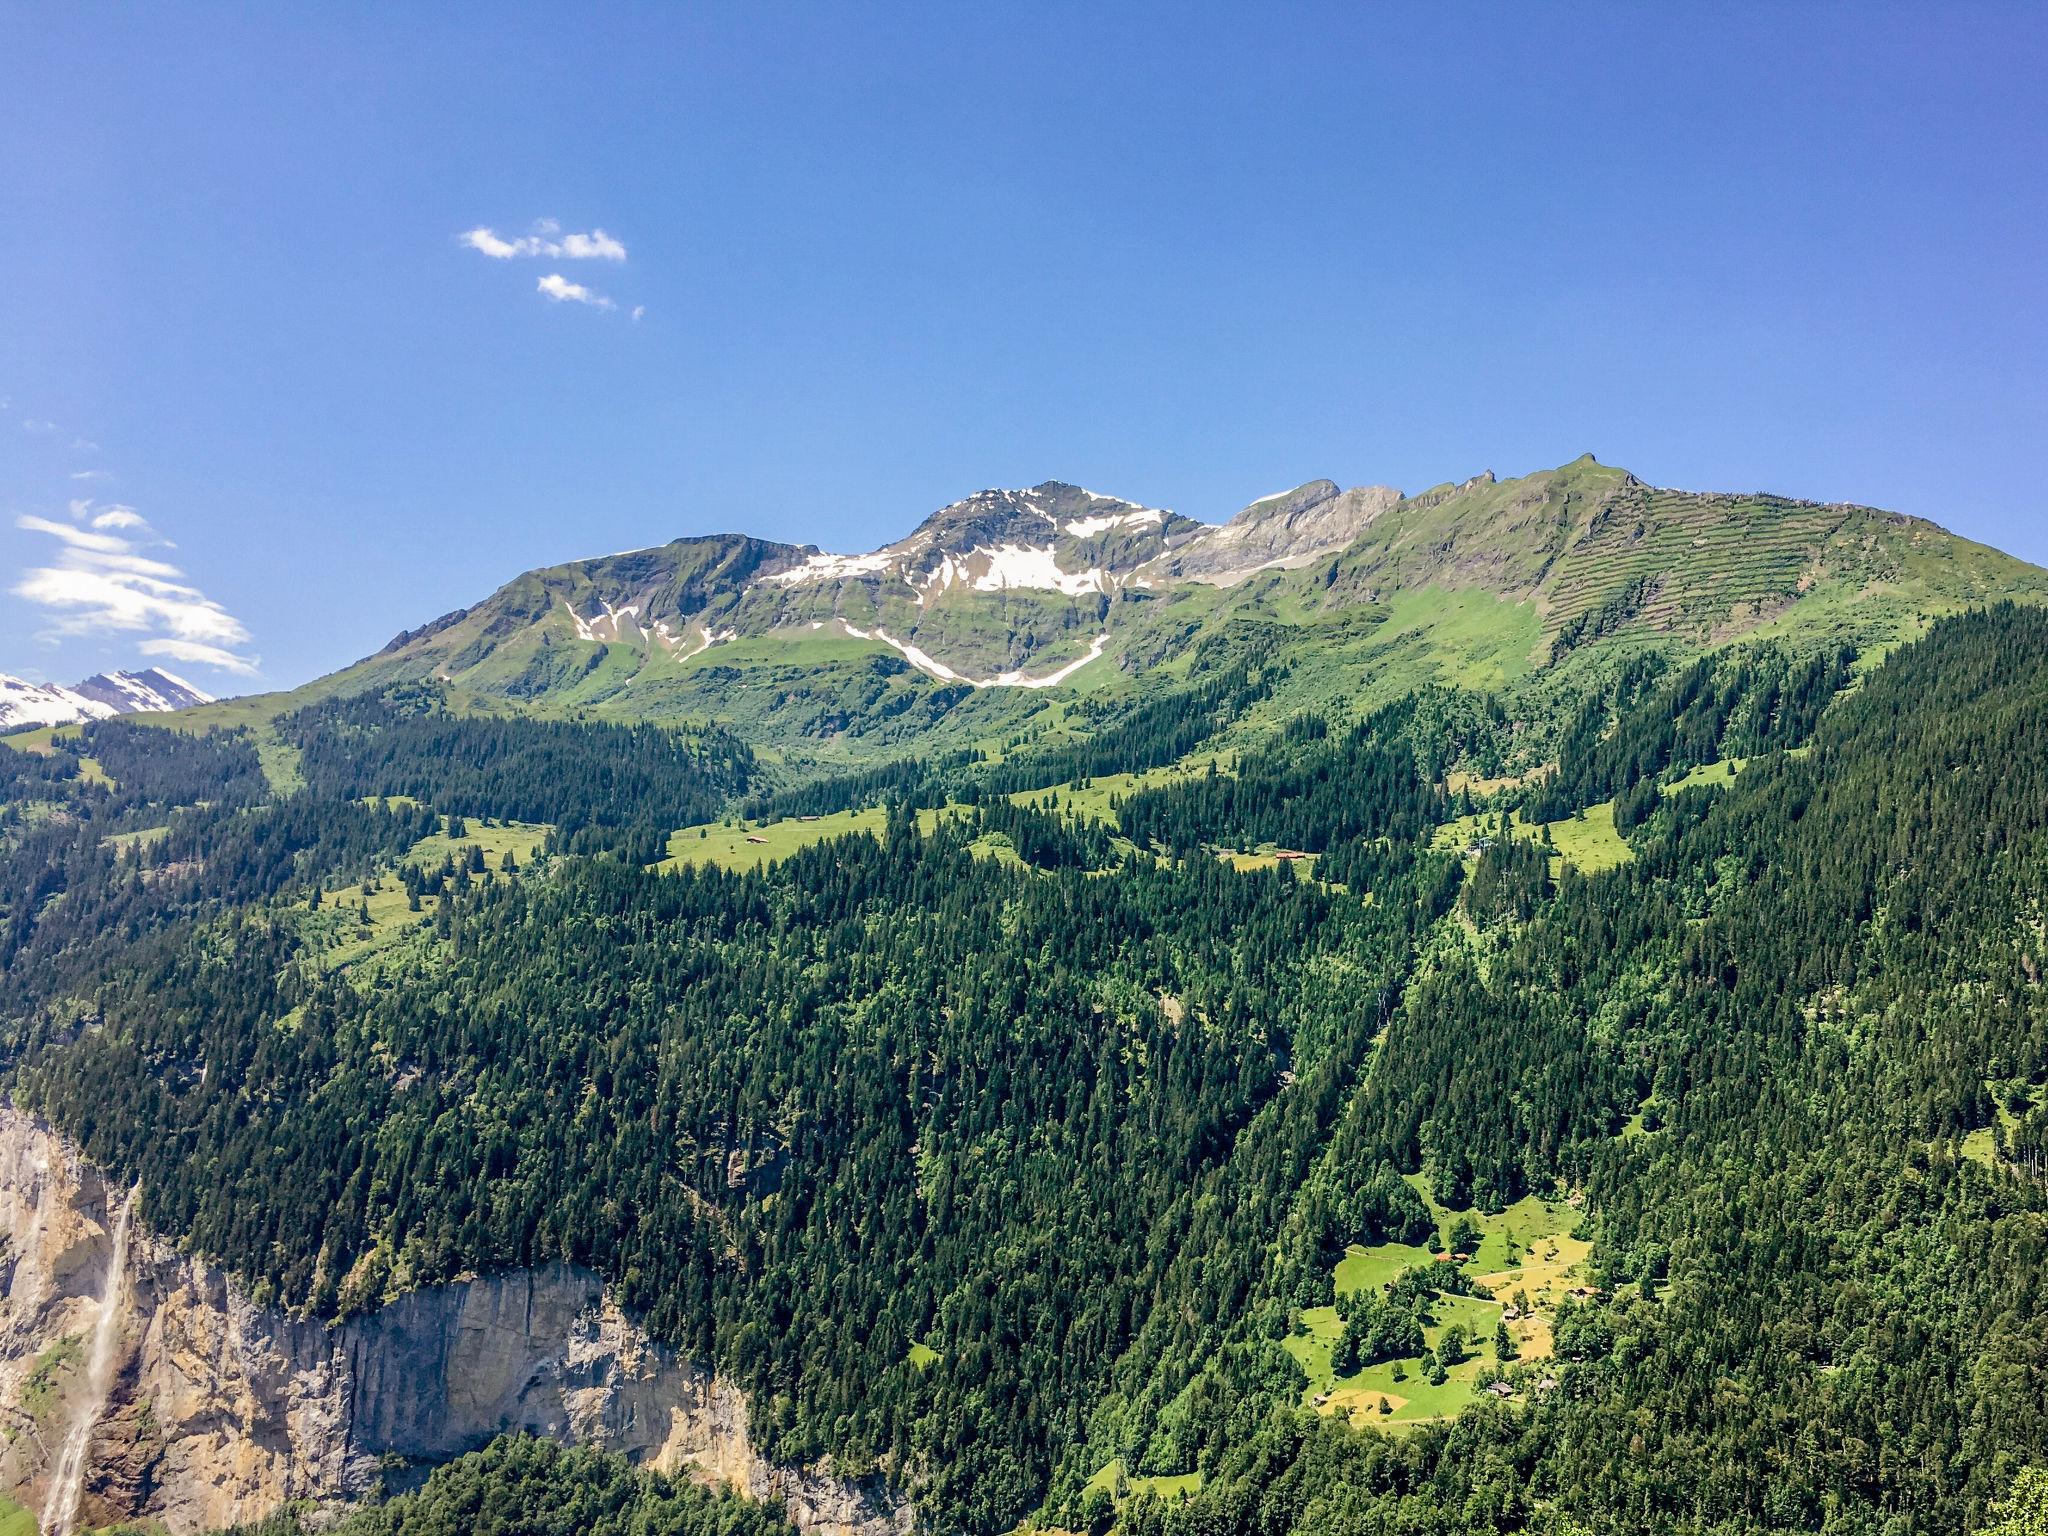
pixel 68 1485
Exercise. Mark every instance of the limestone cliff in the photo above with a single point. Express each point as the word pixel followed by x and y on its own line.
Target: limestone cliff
pixel 220 1410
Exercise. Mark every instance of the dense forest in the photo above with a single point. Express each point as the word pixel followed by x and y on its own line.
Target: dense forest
pixel 1013 1142
pixel 518 1486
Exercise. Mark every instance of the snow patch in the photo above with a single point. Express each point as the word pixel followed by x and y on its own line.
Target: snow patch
pixel 25 703
pixel 832 568
pixel 583 629
pixel 1085 527
pixel 932 666
pixel 1015 565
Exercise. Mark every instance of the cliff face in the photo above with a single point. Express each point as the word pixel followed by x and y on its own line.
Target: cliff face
pixel 219 1411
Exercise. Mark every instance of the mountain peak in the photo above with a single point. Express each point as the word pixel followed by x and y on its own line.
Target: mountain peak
pixel 24 704
pixel 153 690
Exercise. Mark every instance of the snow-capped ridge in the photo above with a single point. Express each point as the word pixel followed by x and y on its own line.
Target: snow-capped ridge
pixel 153 690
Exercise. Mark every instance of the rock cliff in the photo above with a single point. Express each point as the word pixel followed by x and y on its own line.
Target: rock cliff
pixel 220 1410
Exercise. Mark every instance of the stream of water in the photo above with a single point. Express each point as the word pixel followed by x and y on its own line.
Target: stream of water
pixel 68 1483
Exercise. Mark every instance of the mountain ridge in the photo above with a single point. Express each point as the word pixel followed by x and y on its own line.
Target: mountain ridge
pixel 152 690
pixel 1056 588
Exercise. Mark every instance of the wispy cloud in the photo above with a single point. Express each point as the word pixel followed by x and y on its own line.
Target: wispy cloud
pixel 38 426
pixel 198 653
pixel 105 578
pixel 91 474
pixel 562 291
pixel 547 239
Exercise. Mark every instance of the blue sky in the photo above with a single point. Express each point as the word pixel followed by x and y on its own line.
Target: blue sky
pixel 882 256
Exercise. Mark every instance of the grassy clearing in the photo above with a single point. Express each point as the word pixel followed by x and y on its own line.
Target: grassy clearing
pixel 42 739
pixel 1091 802
pixel 923 1356
pixel 335 931
pixel 1266 856
pixel 1380 1264
pixel 1588 842
pixel 122 841
pixel 1458 779
pixel 16 1519
pixel 1527 1249
pixel 1410 1397
pixel 1721 773
pixel 748 844
pixel 1120 1485
pixel 743 845
pixel 1979 1145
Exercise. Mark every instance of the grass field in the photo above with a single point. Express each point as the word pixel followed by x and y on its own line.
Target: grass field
pixel 1526 1248
pixel 1380 1264
pixel 1092 801
pixel 1475 639
pixel 1120 1485
pixel 1410 1397
pixel 1979 1146
pixel 16 1519
pixel 747 844
pixel 1706 774
pixel 744 845
pixel 137 839
pixel 1587 842
pixel 335 931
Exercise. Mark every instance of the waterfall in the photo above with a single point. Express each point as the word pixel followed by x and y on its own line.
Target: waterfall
pixel 68 1485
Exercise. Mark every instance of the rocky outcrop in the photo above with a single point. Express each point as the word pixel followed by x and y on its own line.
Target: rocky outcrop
pixel 221 1410
pixel 1282 532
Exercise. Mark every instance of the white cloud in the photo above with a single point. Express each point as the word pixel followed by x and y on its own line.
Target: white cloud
pixel 75 538
pixel 483 240
pixel 91 474
pixel 594 246
pixel 562 291
pixel 103 582
pixel 84 445
pixel 38 426
pixel 639 310
pixel 202 655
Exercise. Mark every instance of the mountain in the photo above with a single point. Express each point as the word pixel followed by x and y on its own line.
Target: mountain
pixel 104 693
pixel 969 626
pixel 152 690
pixel 1514 1009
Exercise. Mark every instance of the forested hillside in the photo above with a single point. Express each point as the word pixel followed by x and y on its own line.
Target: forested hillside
pixel 1195 1120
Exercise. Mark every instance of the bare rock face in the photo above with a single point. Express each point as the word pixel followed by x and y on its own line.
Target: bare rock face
pixel 221 1411
pixel 1281 532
